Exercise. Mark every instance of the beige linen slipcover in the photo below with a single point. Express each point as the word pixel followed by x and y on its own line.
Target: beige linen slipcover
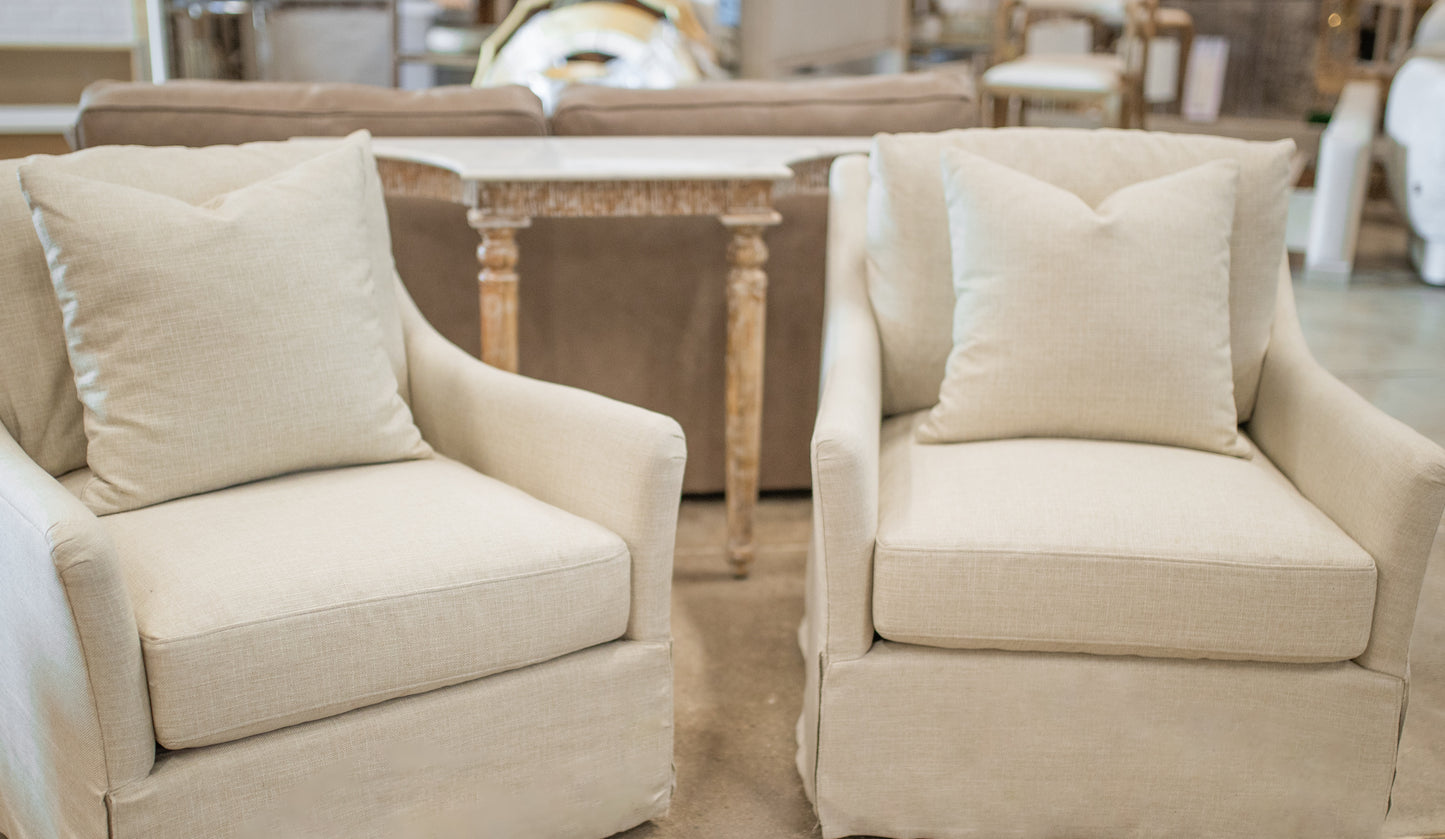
pixel 908 258
pixel 1034 741
pixel 227 342
pixel 1106 321
pixel 1108 547
pixel 298 598
pixel 39 406
pixel 397 583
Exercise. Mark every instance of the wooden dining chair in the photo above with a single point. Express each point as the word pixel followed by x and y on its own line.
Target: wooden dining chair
pixel 1112 80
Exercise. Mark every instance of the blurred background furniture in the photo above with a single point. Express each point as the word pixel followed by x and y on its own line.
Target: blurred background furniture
pixel 49 51
pixel 1363 39
pixel 548 44
pixel 1414 151
pixel 632 309
pixel 1341 183
pixel 1396 67
pixel 518 579
pixel 778 38
pixel 1111 80
pixel 1056 715
pixel 1178 24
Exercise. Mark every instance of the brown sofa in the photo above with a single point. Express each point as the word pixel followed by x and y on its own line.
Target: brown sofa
pixel 633 309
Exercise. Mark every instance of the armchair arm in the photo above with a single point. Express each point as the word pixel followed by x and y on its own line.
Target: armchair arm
pixel 1380 481
pixel 606 461
pixel 75 717
pixel 845 437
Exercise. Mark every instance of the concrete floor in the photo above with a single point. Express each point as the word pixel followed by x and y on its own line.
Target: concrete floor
pixel 739 676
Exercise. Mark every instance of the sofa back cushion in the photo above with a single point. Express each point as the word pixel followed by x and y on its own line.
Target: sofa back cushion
pixel 858 107
pixel 38 402
pixel 909 258
pixel 205 113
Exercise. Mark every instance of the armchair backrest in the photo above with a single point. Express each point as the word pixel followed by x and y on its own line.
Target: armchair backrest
pixel 39 406
pixel 909 273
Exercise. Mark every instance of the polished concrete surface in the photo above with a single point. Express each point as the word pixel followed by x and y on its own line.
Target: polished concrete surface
pixel 739 675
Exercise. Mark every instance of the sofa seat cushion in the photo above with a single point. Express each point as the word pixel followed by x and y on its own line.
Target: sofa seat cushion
pixel 1110 548
pixel 298 598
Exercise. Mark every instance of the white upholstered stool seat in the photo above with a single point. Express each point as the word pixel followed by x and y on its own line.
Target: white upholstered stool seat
pixel 1092 74
pixel 1056 545
pixel 298 598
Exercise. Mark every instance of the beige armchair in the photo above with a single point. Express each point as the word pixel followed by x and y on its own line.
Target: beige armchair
pixel 1049 637
pixel 475 643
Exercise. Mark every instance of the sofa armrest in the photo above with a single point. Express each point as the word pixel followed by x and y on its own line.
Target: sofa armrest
pixel 845 437
pixel 74 707
pixel 612 463
pixel 1381 482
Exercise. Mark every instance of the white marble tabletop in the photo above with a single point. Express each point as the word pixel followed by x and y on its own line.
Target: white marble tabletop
pixel 36 119
pixel 616 158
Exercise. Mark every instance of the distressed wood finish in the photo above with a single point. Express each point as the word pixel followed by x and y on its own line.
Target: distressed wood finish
pixel 747 315
pixel 621 199
pixel 418 180
pixel 810 177
pixel 497 286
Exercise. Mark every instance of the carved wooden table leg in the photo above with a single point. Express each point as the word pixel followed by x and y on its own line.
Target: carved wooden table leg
pixel 497 286
pixel 747 310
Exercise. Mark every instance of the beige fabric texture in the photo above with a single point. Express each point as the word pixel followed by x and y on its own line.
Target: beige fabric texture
pixel 74 718
pixel 993 742
pixel 845 106
pixel 1378 478
pixel 596 724
pixel 838 576
pixel 909 261
pixel 38 403
pixel 845 438
pixel 224 343
pixel 984 743
pixel 37 391
pixel 1106 322
pixel 206 112
pixel 301 597
pixel 605 461
pixel 578 746
pixel 1114 548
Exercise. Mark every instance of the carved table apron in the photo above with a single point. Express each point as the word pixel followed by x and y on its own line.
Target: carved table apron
pixel 506 182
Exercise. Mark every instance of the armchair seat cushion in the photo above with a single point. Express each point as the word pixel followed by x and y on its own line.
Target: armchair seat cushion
pixel 301 597
pixel 1111 548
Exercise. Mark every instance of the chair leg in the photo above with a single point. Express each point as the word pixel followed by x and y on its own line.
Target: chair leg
pixel 1186 43
pixel 1000 111
pixel 1116 110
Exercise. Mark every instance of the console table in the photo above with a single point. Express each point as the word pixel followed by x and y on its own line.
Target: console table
pixel 505 182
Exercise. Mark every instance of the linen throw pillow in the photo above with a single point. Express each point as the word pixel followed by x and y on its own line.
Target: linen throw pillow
pixel 1107 322
pixel 222 343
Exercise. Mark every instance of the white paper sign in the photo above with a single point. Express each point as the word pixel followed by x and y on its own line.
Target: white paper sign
pixel 1204 79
